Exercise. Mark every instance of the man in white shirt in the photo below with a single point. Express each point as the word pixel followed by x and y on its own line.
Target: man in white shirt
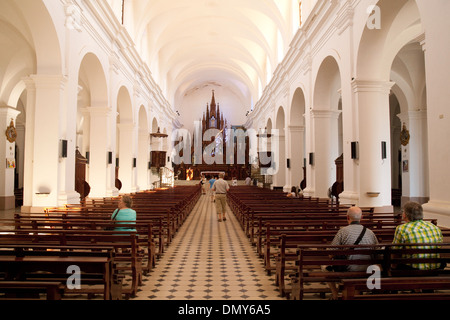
pixel 221 188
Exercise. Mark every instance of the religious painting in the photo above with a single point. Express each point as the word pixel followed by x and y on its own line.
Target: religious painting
pixel 405 166
pixel 404 136
pixel 10 163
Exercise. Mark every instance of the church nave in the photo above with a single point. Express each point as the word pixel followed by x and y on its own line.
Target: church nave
pixel 209 260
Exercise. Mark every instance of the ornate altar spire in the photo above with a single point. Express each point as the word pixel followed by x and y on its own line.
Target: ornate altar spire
pixel 213 106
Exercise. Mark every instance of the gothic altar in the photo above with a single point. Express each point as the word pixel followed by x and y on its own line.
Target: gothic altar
pixel 214 151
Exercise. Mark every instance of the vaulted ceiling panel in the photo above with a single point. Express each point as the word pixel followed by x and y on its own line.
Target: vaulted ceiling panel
pixel 190 43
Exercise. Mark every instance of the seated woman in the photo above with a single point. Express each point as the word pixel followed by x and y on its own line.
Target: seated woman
pixel 124 213
pixel 294 193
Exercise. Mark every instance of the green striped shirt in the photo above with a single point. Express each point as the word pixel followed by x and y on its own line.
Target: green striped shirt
pixel 419 232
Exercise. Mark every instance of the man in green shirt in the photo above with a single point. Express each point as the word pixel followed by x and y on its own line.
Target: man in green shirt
pixel 415 230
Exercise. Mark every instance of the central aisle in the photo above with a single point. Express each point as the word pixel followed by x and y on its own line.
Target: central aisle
pixel 209 260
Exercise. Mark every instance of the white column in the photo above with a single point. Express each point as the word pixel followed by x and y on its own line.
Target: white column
pixel 8 117
pixel 415 181
pixel 350 129
pixel 29 145
pixel 326 150
pixel 42 154
pixel 101 174
pixel 126 155
pixel 296 155
pixel 437 50
pixel 20 143
pixel 142 160
pixel 67 131
pixel 85 139
pixel 280 176
pixel 372 98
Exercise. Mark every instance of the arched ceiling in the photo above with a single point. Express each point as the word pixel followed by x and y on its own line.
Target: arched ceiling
pixel 188 44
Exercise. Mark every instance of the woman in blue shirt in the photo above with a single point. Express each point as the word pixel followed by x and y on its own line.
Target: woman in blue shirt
pixel 124 213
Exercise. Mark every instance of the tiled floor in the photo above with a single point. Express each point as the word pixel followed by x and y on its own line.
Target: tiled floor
pixel 209 260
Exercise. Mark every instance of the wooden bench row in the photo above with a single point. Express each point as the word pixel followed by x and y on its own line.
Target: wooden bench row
pixel 65 234
pixel 21 265
pixel 149 236
pixel 386 257
pixel 398 288
pixel 172 213
pixel 285 246
pixel 310 221
pixel 278 226
pixel 128 257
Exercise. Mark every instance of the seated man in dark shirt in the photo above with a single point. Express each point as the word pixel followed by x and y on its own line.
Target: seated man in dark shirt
pixel 349 235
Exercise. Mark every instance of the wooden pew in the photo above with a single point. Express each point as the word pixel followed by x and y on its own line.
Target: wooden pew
pixel 128 259
pixel 171 205
pixel 49 263
pixel 269 229
pixel 312 258
pixel 84 225
pixel 288 242
pixel 162 219
pixel 295 238
pixel 146 236
pixel 22 289
pixel 268 237
pixel 398 288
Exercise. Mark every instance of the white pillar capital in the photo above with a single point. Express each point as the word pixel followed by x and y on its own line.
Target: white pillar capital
pixel 294 129
pixel 98 111
pixel 422 40
pixel 126 126
pixel 372 86
pixel 9 112
pixel 46 81
pixel 407 117
pixel 417 114
pixel 325 114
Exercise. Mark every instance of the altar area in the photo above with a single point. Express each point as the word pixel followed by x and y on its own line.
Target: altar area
pixel 216 149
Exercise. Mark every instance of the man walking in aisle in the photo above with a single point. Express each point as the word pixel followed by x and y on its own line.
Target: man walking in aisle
pixel 221 188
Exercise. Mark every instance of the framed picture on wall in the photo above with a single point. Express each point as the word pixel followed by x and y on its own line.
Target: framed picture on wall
pixel 10 163
pixel 405 166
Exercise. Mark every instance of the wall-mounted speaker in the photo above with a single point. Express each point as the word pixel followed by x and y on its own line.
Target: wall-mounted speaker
pixel 311 158
pixel 354 146
pixel 288 163
pixel 63 148
pixel 109 157
pixel 383 150
pixel 134 162
pixel 117 162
